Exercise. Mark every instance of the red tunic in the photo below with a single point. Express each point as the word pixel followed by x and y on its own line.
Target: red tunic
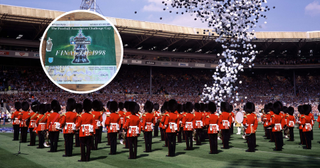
pixel 113 123
pixel 53 121
pixel 307 123
pixel 188 122
pixel 68 121
pixel 133 125
pixel 86 123
pixel 225 120
pixel 148 122
pixel 212 121
pixel 15 118
pixel 98 118
pixel 33 119
pixel 251 123
pixel 198 120
pixel 25 115
pixel 171 123
pixel 41 123
pixel 278 123
pixel 291 121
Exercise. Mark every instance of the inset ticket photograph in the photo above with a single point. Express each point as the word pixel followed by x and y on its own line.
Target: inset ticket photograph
pixel 81 51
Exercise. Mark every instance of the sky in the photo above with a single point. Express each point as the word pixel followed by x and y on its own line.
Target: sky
pixel 288 16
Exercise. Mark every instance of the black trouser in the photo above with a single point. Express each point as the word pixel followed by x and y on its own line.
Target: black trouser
pixel 113 143
pixel 132 142
pixel 213 143
pixel 85 144
pixel 251 142
pixel 183 135
pixel 198 136
pixel 32 137
pixel 291 134
pixel 171 143
pixel 179 134
pixel 68 142
pixel 15 132
pixel 148 140
pixel 77 139
pixel 278 139
pixel 120 131
pixel 268 135
pixel 225 138
pixel 41 135
pixel 312 134
pixel 272 138
pixel 24 132
pixel 54 137
pixel 96 140
pixel 203 135
pixel 189 140
pixel 307 136
pixel 99 134
pixel 302 139
pixel 156 129
pixel 162 134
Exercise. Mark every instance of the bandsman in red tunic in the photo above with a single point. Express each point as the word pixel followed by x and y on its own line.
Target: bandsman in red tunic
pixel 96 106
pixel 307 123
pixel 171 124
pixel 278 123
pixel 291 121
pixel 147 125
pixel 225 120
pixel 54 126
pixel 188 125
pixel 33 118
pixel 41 125
pixel 24 121
pixel 86 125
pixel 212 121
pixel 251 123
pixel 198 122
pixel 113 123
pixel 68 121
pixel 16 121
pixel 132 126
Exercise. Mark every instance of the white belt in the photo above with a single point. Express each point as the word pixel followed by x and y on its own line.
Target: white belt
pixel 213 125
pixel 87 125
pixel 72 125
pixel 173 126
pixel 149 124
pixel 225 123
pixel 114 124
pixel 199 122
pixel 279 125
pixel 136 127
pixel 57 124
pixel 189 124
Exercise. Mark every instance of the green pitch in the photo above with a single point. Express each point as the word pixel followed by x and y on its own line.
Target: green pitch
pixel 293 155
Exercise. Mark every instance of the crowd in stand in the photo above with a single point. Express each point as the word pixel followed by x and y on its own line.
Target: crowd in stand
pixel 133 83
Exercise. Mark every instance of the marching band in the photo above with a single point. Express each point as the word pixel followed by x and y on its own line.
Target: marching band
pixel 84 121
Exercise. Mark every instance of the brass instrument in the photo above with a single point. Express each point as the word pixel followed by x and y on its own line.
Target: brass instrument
pixel 47 142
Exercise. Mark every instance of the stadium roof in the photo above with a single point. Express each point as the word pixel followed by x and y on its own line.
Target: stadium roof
pixel 146 37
